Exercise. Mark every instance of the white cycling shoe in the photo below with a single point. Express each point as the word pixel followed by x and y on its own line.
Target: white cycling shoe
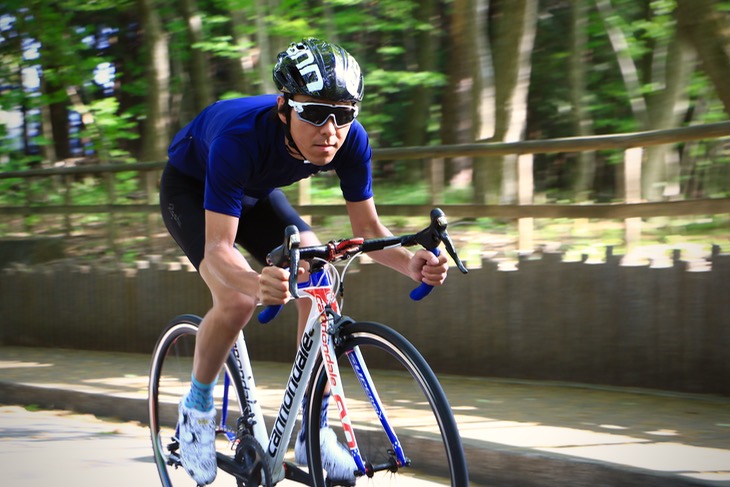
pixel 337 460
pixel 197 444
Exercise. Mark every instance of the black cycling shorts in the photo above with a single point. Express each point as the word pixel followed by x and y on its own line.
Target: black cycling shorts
pixel 260 228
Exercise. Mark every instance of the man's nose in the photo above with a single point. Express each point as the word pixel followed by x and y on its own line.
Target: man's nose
pixel 328 126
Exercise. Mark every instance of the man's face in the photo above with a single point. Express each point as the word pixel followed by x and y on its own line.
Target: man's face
pixel 317 144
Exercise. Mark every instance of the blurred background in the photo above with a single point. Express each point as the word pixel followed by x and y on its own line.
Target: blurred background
pixel 85 85
pixel 555 134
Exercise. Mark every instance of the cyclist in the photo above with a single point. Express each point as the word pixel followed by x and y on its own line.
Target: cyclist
pixel 220 189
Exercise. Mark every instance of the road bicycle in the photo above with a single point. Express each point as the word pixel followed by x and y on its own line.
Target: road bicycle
pixel 393 413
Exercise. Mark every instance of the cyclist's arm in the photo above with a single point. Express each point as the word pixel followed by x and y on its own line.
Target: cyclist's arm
pixel 366 223
pixel 222 260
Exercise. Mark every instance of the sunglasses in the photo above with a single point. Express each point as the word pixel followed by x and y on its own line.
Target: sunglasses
pixel 318 113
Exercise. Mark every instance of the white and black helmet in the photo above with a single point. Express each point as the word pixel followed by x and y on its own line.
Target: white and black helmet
pixel 319 69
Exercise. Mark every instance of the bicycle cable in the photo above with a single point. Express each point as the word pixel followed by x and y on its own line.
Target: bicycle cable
pixel 341 277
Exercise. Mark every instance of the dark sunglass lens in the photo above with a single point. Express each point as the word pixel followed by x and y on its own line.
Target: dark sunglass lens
pixel 343 116
pixel 315 114
pixel 318 114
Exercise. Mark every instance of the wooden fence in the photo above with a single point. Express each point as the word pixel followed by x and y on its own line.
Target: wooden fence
pixel 630 210
pixel 648 326
pixel 606 323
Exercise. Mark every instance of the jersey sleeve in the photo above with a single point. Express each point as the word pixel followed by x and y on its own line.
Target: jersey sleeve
pixel 228 168
pixel 354 169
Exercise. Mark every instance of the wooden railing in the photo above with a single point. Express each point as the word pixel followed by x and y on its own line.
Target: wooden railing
pixel 629 210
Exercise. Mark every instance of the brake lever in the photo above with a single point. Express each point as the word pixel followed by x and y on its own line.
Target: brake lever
pixel 430 238
pixel 283 256
pixel 293 244
pixel 449 245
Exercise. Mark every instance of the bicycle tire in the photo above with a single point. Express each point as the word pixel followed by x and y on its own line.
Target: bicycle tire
pixel 417 408
pixel 170 372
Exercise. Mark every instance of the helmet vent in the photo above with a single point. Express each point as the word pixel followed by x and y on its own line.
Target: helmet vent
pixel 296 76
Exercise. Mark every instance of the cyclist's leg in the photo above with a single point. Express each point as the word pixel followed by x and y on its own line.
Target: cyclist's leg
pixel 169 377
pixel 262 229
pixel 181 199
pixel 267 221
pixel 413 402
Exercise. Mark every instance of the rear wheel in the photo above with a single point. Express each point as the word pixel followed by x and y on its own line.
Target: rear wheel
pixel 172 364
pixel 414 402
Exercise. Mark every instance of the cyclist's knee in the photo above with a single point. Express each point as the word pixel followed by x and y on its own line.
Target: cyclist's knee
pixel 234 309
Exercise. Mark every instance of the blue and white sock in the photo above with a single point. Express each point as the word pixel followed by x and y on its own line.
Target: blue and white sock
pixel 200 396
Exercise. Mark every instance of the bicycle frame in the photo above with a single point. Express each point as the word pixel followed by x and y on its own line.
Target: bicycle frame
pixel 323 319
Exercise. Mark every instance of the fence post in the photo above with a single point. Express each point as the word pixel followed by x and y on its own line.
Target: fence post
pixel 305 195
pixel 525 196
pixel 111 192
pixel 436 177
pixel 68 183
pixel 632 194
pixel 150 190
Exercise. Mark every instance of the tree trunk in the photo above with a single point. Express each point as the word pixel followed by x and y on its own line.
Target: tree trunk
pixel 202 87
pixel 48 150
pixel 457 123
pixel 706 27
pixel 582 122
pixel 668 68
pixel 515 36
pixel 625 62
pixel 126 51
pixel 666 110
pixel 329 26
pixel 458 107
pixel 155 137
pixel 487 171
pixel 265 54
pixel 423 47
pixel 245 63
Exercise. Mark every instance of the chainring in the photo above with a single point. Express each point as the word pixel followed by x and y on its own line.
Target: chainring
pixel 252 459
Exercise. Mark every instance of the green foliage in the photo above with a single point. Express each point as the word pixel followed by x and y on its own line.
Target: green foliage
pixel 65 42
pixel 108 128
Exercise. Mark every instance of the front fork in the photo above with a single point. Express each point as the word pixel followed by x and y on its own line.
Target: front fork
pixel 330 326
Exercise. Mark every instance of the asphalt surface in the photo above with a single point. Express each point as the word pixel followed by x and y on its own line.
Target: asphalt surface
pixel 516 433
pixel 41 448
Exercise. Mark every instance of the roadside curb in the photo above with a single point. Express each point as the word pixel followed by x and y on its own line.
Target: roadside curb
pixel 489 463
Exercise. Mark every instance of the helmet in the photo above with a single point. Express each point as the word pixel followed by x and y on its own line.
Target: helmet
pixel 319 69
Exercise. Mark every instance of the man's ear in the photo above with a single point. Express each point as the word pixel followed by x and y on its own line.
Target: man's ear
pixel 280 108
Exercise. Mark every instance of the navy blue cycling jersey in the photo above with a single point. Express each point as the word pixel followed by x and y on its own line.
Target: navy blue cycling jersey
pixel 236 147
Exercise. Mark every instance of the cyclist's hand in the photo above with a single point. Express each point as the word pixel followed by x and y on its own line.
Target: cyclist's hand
pixel 426 267
pixel 274 286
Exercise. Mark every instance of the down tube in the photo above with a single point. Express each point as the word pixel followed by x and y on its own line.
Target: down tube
pixel 363 375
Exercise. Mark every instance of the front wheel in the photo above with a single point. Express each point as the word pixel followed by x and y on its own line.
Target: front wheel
pixel 170 372
pixel 417 410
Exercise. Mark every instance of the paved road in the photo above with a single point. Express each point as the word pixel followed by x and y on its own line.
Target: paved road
pixel 49 448
pixel 526 433
pixel 40 448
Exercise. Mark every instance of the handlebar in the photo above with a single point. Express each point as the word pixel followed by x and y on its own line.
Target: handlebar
pixel 289 254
